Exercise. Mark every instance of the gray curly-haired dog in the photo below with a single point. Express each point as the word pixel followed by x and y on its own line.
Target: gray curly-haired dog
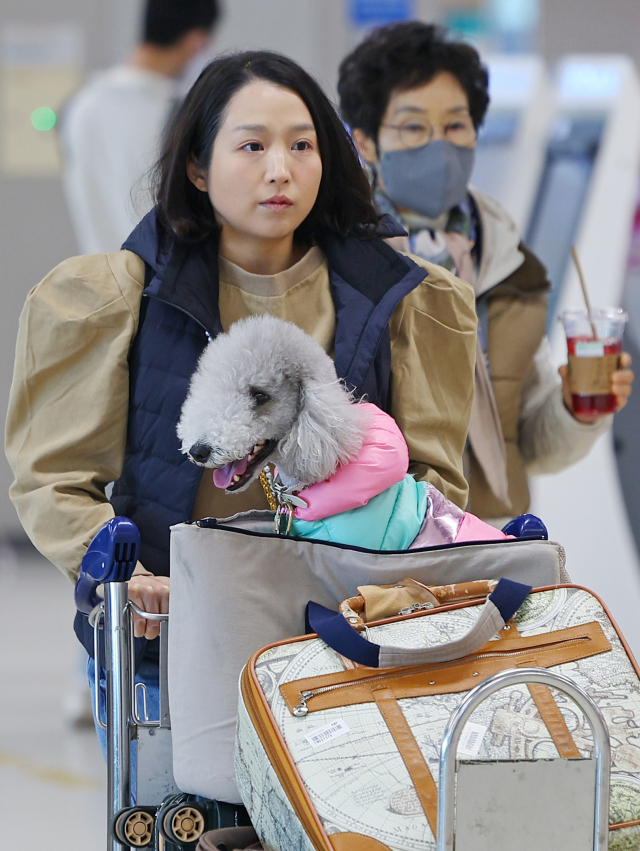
pixel 266 391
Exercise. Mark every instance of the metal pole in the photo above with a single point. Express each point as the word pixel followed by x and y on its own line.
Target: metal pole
pixel 165 718
pixel 118 705
pixel 448 751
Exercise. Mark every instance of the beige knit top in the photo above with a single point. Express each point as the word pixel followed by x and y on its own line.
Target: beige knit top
pixel 301 295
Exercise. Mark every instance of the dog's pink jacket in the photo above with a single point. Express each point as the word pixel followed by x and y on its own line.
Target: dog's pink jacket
pixel 383 461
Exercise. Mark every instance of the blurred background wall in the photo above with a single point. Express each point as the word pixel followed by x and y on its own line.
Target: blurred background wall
pixel 44 41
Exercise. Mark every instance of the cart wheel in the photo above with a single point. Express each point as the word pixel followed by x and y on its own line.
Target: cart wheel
pixel 134 826
pixel 184 824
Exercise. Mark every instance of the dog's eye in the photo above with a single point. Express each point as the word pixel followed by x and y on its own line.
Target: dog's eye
pixel 259 397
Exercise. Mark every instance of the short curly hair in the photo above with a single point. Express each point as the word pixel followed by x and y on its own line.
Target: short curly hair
pixel 402 56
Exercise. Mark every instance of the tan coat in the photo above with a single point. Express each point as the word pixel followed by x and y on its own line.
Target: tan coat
pixel 66 425
pixel 517 315
pixel 540 434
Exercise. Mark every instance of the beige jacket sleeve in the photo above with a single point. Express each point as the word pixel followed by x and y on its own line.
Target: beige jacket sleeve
pixel 67 418
pixel 433 345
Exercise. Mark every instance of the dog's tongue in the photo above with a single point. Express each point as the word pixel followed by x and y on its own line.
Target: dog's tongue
pixel 223 477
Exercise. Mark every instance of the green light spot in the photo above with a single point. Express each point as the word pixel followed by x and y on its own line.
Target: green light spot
pixel 43 118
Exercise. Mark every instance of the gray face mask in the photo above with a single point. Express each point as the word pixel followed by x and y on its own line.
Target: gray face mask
pixel 430 179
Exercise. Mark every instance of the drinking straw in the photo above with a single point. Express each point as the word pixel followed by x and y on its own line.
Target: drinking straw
pixel 585 293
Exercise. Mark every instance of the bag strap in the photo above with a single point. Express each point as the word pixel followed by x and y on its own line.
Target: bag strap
pixel 411 754
pixel 554 721
pixel 501 605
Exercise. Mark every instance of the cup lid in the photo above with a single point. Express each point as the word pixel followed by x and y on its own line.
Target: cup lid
pixel 611 313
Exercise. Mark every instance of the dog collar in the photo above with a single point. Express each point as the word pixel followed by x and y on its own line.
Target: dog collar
pixel 281 499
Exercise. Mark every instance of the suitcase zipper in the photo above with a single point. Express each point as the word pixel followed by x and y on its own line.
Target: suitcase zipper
pixel 302 709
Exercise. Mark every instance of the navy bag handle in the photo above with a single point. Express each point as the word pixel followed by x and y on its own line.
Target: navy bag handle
pixel 500 606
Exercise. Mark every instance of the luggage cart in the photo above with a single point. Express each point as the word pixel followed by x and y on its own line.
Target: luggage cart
pixel 151 812
pixel 556 804
pixel 147 811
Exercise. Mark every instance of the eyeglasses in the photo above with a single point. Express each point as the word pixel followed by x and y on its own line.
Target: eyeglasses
pixel 415 134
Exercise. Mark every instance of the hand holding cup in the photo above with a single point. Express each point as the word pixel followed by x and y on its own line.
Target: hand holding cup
pixel 597 380
pixel 621 387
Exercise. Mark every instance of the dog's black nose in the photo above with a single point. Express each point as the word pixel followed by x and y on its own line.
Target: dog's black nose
pixel 200 452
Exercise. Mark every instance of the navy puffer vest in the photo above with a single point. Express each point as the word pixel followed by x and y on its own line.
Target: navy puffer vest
pixel 179 314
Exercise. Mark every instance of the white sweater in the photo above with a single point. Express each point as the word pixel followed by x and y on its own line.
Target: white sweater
pixel 110 132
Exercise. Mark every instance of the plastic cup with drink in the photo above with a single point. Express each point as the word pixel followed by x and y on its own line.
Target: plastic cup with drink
pixel 594 343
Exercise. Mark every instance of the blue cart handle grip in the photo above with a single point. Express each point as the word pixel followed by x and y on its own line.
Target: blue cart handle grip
pixel 111 557
pixel 526 526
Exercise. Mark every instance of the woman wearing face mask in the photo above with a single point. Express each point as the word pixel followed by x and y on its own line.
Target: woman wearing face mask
pixel 414 100
pixel 262 207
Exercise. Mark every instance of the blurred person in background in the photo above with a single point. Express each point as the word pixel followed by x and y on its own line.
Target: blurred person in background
pixel 111 128
pixel 414 100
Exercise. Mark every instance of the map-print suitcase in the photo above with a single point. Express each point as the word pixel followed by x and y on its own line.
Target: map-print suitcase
pixel 334 755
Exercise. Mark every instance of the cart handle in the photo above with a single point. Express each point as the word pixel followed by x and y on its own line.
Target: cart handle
pixel 111 557
pixel 504 679
pixel 526 526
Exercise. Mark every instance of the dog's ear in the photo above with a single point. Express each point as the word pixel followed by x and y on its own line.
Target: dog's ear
pixel 328 431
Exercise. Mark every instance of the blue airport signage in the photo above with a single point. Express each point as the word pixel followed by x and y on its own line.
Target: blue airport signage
pixel 367 13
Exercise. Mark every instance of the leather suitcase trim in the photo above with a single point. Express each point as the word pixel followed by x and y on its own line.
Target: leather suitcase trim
pixel 271 738
pixel 409 750
pixel 356 842
pixel 355 686
pixel 622 824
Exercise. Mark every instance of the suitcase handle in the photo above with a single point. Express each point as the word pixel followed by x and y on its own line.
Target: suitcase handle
pixel 502 604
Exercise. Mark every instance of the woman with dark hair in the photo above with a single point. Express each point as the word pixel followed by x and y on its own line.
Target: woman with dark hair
pixel 262 207
pixel 415 99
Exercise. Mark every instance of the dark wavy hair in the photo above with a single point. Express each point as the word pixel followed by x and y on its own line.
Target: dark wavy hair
pixel 400 57
pixel 344 204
